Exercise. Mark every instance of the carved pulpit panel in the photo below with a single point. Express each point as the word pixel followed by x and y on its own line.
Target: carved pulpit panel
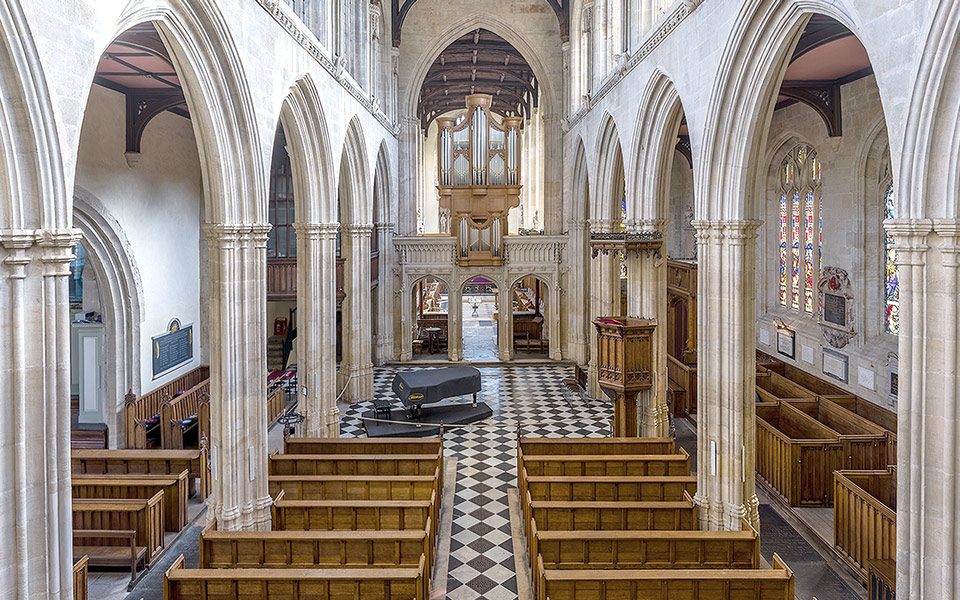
pixel 625 366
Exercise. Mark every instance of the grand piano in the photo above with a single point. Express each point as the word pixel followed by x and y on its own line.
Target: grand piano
pixel 426 386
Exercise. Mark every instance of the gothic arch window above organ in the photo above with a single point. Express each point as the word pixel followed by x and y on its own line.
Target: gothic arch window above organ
pixel 891 279
pixel 799 229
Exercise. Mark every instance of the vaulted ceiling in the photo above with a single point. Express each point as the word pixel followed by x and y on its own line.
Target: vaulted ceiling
pixel 480 62
pixel 400 9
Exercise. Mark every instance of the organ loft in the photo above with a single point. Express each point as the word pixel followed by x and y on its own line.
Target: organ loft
pixel 479 299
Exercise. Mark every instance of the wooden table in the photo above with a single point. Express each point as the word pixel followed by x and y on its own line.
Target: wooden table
pixel 432 334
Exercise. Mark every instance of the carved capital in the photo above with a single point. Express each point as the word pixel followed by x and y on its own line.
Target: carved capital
pixel 949 232
pixel 910 238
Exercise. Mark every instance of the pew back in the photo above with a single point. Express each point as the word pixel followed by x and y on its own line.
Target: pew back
pixel 796 455
pixel 609 516
pixel 352 515
pixel 654 584
pixel 306 549
pixel 144 462
pixel 865 517
pixel 864 442
pixel 363 446
pixel 647 549
pixel 611 489
pixel 143 516
pixel 293 584
pixel 137 487
pixel 192 406
pixel 137 410
pixel 354 464
pixel 685 378
pixel 355 487
pixel 81 573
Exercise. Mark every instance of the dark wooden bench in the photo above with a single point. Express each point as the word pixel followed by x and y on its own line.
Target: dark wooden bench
pixel 141 414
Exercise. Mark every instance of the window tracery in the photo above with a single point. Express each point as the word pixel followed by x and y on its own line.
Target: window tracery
pixel 799 229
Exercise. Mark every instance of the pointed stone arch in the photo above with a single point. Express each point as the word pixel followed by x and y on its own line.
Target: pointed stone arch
pixel 610 173
pixel 215 85
pixel 121 293
pixel 354 181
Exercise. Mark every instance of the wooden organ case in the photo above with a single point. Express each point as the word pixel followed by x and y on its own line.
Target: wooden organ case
pixel 479 178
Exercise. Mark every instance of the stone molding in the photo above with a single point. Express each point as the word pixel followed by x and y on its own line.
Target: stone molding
pixel 292 24
pixel 358 229
pixel 654 38
pixel 910 239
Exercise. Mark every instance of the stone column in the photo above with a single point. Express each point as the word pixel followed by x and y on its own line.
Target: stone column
pixel 604 300
pixel 383 347
pixel 409 170
pixel 238 413
pixel 555 307
pixel 647 298
pixel 505 323
pixel 928 445
pixel 455 323
pixel 553 201
pixel 726 370
pixel 357 361
pixel 317 328
pixel 578 309
pixel 36 542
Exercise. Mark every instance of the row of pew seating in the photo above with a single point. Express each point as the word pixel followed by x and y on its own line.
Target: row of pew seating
pixel 126 501
pixel 352 518
pixel 177 414
pixel 614 518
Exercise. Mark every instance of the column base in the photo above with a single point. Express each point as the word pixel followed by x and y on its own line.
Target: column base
pixel 716 515
pixel 333 423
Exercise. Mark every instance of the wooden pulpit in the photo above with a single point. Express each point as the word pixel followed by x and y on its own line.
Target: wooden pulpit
pixel 625 366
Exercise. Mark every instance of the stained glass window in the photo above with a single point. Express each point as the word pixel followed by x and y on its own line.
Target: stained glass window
pixel 799 229
pixel 782 234
pixel 890 277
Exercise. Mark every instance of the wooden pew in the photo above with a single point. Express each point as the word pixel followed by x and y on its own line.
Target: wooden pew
pixel 110 548
pixel 881 579
pixel 781 388
pixel 276 401
pixel 353 515
pixel 796 455
pixel 313 549
pixel 865 517
pixel 140 412
pixel 145 462
pixel 648 549
pixel 685 379
pixel 139 487
pixel 588 465
pixel 354 464
pixel 81 572
pixel 874 413
pixel 293 584
pixel 610 489
pixel 610 516
pixel 538 446
pixel 864 443
pixel 188 413
pixel 143 516
pixel 667 584
pixel 362 446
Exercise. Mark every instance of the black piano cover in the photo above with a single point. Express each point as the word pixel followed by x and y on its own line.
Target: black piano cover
pixel 432 385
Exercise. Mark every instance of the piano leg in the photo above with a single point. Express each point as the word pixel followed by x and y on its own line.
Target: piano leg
pixel 474 399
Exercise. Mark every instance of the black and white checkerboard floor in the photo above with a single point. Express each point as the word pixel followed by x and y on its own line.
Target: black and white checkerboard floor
pixel 535 398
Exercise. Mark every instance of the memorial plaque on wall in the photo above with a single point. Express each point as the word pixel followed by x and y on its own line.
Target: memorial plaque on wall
pixel 173 348
pixel 835 309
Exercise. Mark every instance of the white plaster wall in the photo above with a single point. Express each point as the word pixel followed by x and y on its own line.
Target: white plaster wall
pixel 429 197
pixel 158 204
pixel 851 217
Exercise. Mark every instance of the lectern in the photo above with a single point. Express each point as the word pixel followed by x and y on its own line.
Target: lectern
pixel 625 366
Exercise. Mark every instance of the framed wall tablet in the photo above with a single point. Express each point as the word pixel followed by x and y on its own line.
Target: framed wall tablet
pixel 836 307
pixel 835 364
pixel 173 348
pixel 786 342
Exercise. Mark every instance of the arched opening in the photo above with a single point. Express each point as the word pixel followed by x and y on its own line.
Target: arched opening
pixel 431 316
pixel 281 263
pixel 480 310
pixel 145 172
pixel 531 321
